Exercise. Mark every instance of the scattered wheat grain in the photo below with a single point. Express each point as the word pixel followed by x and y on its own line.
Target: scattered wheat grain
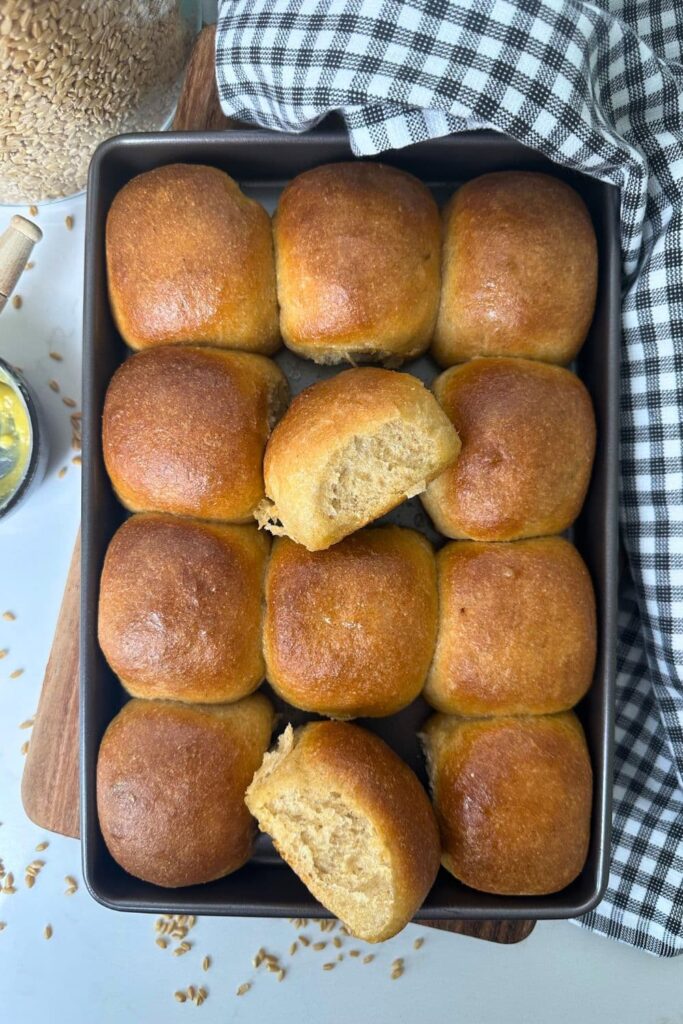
pixel 47 931
pixel 243 988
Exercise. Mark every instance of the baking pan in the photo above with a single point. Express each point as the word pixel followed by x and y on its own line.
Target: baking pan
pixel 262 162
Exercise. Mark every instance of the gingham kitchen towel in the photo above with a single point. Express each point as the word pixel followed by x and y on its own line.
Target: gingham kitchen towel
pixel 597 87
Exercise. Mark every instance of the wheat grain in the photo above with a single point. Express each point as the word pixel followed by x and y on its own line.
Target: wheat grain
pixel 75 74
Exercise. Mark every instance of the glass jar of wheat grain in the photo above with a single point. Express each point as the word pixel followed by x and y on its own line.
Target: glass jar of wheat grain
pixel 73 74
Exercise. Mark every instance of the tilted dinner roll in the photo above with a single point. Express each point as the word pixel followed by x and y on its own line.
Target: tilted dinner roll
pixel 513 800
pixel 171 780
pixel 350 449
pixel 354 823
pixel 520 270
pixel 517 631
pixel 350 631
pixel 180 608
pixel 184 430
pixel 357 253
pixel 528 439
pixel 190 259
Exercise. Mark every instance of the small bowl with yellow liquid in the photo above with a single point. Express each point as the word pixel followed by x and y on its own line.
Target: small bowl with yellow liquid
pixel 23 452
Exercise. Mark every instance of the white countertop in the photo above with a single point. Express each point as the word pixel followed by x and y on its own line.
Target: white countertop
pixel 105 967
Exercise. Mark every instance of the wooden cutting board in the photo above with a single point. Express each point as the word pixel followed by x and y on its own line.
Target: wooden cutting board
pixel 49 787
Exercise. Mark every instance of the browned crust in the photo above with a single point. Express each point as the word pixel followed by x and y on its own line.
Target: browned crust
pixel 190 259
pixel 180 608
pixel 184 431
pixel 528 440
pixel 517 628
pixel 513 799
pixel 171 780
pixel 357 252
pixel 327 415
pixel 520 270
pixel 350 631
pixel 373 780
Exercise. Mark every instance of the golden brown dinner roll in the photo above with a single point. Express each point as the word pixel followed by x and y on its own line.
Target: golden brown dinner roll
pixel 180 608
pixel 520 270
pixel 357 250
pixel 350 631
pixel 352 820
pixel 350 449
pixel 517 631
pixel 528 440
pixel 170 787
pixel 184 430
pixel 513 800
pixel 190 258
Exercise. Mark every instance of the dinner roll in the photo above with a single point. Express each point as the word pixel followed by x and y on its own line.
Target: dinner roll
pixel 180 608
pixel 350 449
pixel 350 631
pixel 357 250
pixel 190 258
pixel 170 787
pixel 528 440
pixel 184 430
pixel 513 800
pixel 520 270
pixel 352 820
pixel 517 631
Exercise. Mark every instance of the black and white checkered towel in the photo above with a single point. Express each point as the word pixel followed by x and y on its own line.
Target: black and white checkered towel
pixel 597 87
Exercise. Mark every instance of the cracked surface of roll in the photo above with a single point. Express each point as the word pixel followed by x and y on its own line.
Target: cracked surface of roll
pixel 350 631
pixel 171 780
pixel 517 628
pixel 184 430
pixel 528 441
pixel 520 270
pixel 350 449
pixel 181 606
pixel 357 253
pixel 190 259
pixel 513 800
pixel 353 821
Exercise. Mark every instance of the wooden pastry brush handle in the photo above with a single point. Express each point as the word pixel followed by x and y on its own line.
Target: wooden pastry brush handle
pixel 16 245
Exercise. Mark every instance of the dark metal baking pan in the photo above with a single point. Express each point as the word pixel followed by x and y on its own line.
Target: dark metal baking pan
pixel 262 162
